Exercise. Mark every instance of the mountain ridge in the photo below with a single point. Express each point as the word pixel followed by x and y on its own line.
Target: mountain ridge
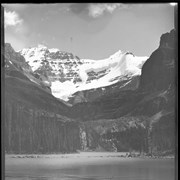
pixel 66 74
pixel 140 117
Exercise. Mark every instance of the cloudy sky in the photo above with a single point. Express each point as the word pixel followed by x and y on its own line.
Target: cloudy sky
pixel 88 30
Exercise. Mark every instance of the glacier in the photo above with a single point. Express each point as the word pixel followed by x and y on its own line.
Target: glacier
pixel 116 66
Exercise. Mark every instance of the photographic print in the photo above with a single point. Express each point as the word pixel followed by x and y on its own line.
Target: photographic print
pixel 89 91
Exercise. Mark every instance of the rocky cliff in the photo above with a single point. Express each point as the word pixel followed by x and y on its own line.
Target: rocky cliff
pixel 158 72
pixel 35 121
pixel 150 109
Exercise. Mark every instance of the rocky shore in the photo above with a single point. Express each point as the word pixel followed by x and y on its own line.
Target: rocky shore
pixel 90 155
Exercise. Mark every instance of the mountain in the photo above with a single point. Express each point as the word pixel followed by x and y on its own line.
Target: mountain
pixel 32 115
pixel 158 72
pixel 69 77
pixel 116 107
pixel 157 79
pixel 52 67
pixel 145 115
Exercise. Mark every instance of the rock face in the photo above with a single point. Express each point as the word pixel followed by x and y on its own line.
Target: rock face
pixel 89 95
pixel 158 71
pixel 52 64
pixel 121 71
pixel 16 66
pixel 53 68
pixel 35 121
pixel 68 76
pixel 150 108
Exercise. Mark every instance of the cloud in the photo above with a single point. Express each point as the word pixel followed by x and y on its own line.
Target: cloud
pixel 96 9
pixel 12 19
pixel 91 11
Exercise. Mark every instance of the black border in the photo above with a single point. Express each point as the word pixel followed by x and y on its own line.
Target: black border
pixel 176 24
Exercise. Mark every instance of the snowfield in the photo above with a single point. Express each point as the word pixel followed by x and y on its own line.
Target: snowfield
pixel 118 65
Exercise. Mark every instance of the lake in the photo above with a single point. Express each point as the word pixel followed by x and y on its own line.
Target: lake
pixel 87 166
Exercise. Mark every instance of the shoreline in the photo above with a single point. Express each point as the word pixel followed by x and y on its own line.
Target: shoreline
pixel 88 155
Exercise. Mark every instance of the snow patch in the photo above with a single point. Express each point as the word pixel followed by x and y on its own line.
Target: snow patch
pixel 116 66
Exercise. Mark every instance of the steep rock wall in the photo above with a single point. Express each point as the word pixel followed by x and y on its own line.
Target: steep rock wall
pixel 158 71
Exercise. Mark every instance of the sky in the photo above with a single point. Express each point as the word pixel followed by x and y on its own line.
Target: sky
pixel 88 30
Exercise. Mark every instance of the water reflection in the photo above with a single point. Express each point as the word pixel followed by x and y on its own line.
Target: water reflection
pixel 90 169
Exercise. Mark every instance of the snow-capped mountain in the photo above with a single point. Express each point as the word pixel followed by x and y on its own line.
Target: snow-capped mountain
pixel 67 74
pixel 115 121
pixel 16 65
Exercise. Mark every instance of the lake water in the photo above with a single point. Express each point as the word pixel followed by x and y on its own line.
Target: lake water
pixel 88 166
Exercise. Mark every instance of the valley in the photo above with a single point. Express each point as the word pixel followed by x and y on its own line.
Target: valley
pixel 122 103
